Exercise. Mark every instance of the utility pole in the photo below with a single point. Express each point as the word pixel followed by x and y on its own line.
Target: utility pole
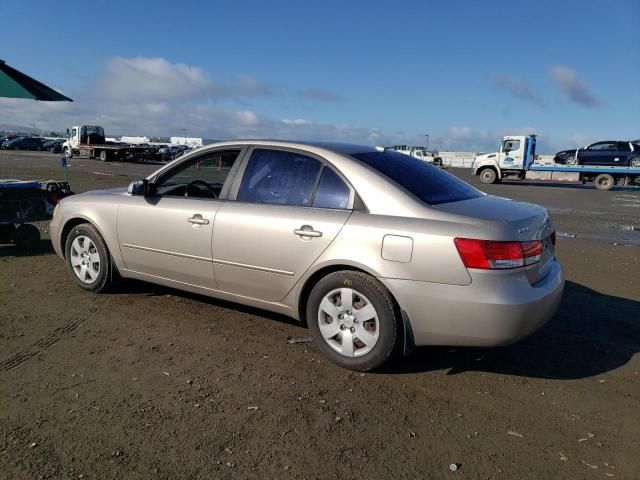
pixel 185 135
pixel 427 135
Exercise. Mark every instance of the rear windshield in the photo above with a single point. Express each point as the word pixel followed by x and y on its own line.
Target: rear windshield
pixel 430 184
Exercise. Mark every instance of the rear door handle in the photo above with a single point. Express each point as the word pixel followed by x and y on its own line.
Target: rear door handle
pixel 198 220
pixel 307 231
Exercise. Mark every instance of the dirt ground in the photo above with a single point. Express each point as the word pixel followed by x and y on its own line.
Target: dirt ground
pixel 148 382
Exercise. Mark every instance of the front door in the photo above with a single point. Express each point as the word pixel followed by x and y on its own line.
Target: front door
pixel 511 154
pixel 600 153
pixel 288 209
pixel 168 233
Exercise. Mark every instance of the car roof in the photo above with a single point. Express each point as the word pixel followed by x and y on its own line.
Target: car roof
pixel 343 148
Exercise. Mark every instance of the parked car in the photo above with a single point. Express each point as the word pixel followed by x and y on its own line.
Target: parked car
pixel 610 153
pixel 53 146
pixel 23 143
pixel 375 251
pixel 6 138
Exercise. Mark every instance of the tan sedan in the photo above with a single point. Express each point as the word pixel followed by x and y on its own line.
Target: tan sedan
pixel 374 250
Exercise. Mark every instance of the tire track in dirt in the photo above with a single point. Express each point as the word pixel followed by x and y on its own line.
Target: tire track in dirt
pixel 38 347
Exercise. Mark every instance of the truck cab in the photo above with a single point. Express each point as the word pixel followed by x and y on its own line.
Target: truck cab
pixel 82 135
pixel 514 155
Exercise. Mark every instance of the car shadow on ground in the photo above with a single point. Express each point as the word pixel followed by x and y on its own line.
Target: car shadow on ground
pixel 139 287
pixel 43 247
pixel 591 334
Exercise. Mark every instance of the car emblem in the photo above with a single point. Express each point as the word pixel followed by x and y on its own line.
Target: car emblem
pixel 523 230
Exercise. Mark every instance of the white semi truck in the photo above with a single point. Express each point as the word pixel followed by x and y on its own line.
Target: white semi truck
pixel 516 159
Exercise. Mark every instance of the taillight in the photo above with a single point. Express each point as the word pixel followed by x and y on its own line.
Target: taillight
pixel 493 255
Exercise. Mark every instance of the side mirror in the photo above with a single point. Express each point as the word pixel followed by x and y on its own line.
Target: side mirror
pixel 139 187
pixel 67 132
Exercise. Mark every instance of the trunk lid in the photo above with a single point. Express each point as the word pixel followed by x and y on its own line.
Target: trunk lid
pixel 519 221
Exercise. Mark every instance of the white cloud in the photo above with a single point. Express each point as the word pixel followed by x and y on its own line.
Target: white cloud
pixel 572 86
pixel 296 121
pixel 247 118
pixel 142 78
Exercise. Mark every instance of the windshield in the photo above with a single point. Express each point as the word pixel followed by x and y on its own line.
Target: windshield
pixel 430 184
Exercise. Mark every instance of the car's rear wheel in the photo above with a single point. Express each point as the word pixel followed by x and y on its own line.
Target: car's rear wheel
pixel 635 162
pixel 604 181
pixel 353 321
pixel 88 259
pixel 488 175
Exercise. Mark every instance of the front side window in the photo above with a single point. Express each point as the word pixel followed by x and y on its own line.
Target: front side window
pixel 332 192
pixel 601 146
pixel 511 145
pixel 426 182
pixel 202 177
pixel 279 177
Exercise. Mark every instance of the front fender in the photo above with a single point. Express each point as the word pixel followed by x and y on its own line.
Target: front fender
pixel 101 215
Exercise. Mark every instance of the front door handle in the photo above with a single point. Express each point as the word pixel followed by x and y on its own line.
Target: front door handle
pixel 198 220
pixel 307 231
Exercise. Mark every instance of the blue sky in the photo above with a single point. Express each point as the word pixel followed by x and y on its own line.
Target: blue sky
pixel 464 72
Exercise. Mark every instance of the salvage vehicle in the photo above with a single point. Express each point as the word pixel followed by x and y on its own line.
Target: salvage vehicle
pixel 614 153
pixel 516 159
pixel 88 141
pixel 375 251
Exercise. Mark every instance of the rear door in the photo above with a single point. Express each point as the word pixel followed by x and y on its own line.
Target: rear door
pixel 622 154
pixel 283 212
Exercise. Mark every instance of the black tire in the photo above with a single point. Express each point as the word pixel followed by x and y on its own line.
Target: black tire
pixel 634 162
pixel 389 334
pixel 107 273
pixel 572 160
pixel 104 155
pixel 604 182
pixel 488 175
pixel 26 236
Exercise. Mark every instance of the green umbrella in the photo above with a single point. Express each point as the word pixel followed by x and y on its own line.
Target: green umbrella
pixel 16 84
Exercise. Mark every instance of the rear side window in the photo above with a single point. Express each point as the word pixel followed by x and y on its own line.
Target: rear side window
pixel 430 184
pixel 332 192
pixel 279 177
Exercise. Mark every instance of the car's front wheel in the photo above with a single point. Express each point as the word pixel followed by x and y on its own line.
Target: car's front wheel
pixel 635 162
pixel 88 259
pixel 353 321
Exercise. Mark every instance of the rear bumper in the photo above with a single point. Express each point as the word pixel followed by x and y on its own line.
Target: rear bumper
pixel 497 308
